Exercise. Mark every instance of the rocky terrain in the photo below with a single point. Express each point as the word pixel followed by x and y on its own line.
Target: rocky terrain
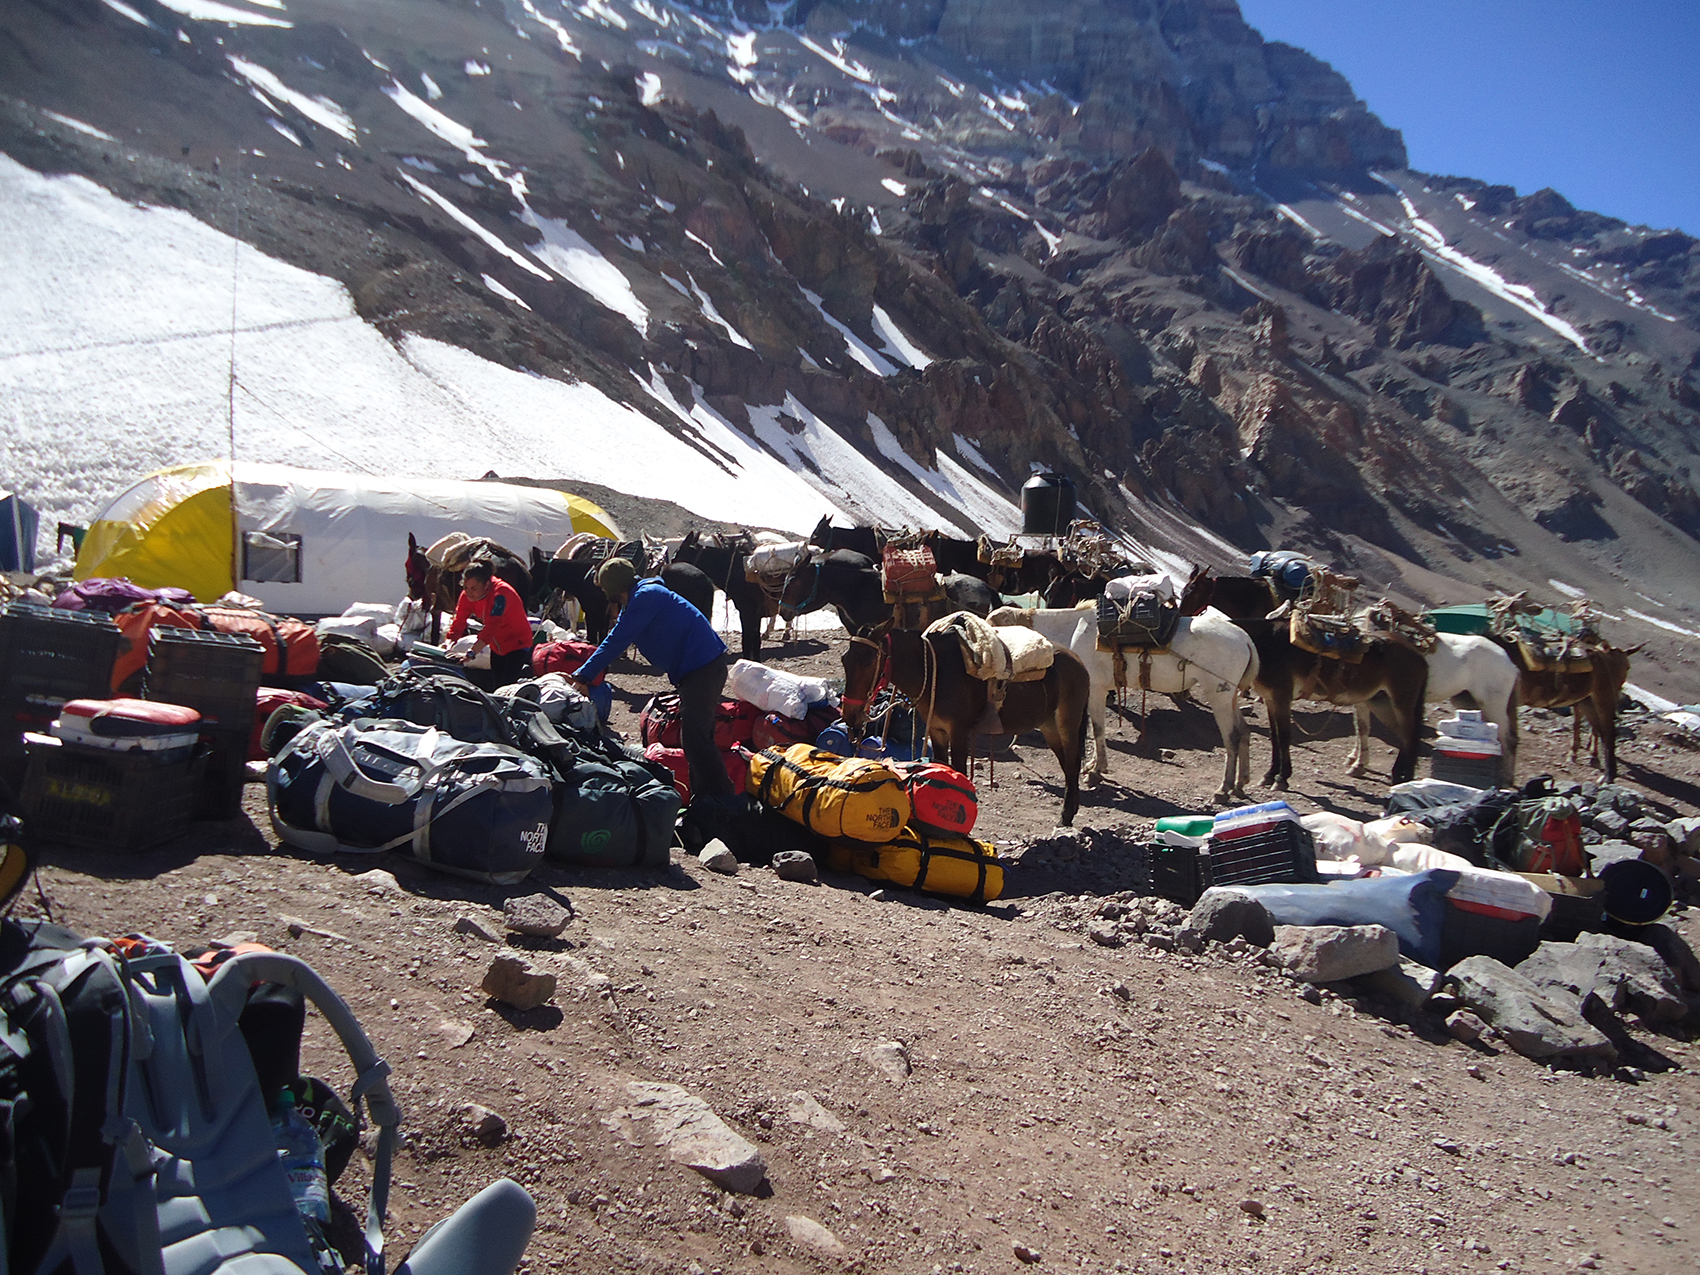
pixel 932 1087
pixel 1134 242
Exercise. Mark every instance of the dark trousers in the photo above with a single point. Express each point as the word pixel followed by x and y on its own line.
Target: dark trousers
pixel 699 699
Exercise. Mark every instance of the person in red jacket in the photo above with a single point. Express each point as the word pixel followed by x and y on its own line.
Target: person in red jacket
pixel 507 631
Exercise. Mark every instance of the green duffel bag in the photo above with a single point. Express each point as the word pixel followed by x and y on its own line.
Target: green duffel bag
pixel 347 659
pixel 613 814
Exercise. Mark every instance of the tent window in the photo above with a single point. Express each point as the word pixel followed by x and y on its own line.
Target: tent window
pixel 271 557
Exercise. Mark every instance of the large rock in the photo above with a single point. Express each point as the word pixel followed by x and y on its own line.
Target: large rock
pixel 511 980
pixel 1222 914
pixel 1686 834
pixel 1623 974
pixel 1327 953
pixel 686 1128
pixel 535 915
pixel 811 1234
pixel 1534 1024
pixel 796 865
pixel 1407 983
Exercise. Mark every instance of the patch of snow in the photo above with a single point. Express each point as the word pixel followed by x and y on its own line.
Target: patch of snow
pixel 959 488
pixel 1355 215
pixel 118 6
pixel 894 186
pixel 287 131
pixel 874 221
pixel 1292 215
pixel 860 350
pixel 742 49
pixel 81 127
pixel 664 205
pixel 702 243
pixel 321 110
pixel 766 98
pixel 673 283
pixel 561 33
pixel 1568 590
pixel 212 11
pixel 968 449
pixel 604 13
pixel 1245 283
pixel 646 10
pixel 649 85
pixel 571 256
pixel 631 241
pixel 808 358
pixel 472 179
pixel 1051 240
pixel 896 343
pixel 475 67
pixel 713 315
pixel 951 86
pixel 465 220
pixel 495 286
pixel 1436 248
pixel 855 70
pixel 1214 167
pixel 432 89
pixel 1648 700
pixel 455 134
pixel 1662 624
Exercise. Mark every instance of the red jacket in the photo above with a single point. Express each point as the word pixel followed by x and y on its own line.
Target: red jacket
pixel 501 613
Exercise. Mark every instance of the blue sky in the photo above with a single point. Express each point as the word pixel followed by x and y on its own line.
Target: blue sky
pixel 1599 100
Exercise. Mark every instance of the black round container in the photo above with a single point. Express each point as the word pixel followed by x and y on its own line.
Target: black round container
pixel 1047 505
pixel 1636 893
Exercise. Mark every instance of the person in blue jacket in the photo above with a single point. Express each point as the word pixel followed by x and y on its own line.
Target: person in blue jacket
pixel 675 638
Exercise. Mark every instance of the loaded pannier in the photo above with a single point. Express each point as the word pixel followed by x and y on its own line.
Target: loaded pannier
pixel 832 796
pixel 476 810
pixel 1139 612
pixel 936 863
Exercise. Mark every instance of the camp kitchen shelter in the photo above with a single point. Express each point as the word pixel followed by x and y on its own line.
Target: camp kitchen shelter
pixel 307 542
pixel 17 533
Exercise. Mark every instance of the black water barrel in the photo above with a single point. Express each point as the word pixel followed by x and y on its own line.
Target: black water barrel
pixel 1636 892
pixel 1047 505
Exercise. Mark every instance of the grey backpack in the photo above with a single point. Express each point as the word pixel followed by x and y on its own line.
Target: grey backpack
pixel 129 1074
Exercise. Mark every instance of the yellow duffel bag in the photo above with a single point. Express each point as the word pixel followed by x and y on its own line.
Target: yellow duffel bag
pixel 939 863
pixel 831 796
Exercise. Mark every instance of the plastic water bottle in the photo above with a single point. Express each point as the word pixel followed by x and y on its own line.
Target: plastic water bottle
pixel 303 1157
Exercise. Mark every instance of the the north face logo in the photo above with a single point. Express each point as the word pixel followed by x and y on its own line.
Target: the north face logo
pixel 536 839
pixel 595 841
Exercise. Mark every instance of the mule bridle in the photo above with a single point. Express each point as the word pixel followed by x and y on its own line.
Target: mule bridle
pixel 790 611
pixel 882 666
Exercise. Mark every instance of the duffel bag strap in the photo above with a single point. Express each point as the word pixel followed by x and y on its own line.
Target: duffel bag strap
pixel 345 771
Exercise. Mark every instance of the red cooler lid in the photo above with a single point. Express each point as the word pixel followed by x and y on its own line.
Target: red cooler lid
pixel 135 710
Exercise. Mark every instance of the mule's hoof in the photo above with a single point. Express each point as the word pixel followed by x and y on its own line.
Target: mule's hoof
pixel 1222 798
pixel 1094 779
pixel 1358 772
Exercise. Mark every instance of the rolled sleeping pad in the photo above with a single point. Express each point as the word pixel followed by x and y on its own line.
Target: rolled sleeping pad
pixel 1636 892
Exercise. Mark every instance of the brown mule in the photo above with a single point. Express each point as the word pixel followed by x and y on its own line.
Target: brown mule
pixel 1287 673
pixel 931 672
pixel 1593 694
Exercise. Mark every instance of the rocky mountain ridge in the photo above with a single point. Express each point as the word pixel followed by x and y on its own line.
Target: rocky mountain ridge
pixel 1132 241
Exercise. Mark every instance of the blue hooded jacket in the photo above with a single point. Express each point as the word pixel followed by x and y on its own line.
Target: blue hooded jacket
pixel 671 633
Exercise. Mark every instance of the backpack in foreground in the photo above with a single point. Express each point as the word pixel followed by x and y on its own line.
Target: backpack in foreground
pixel 141 1140
pixel 476 810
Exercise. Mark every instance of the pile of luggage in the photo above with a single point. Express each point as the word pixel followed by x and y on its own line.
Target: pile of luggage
pixel 909 576
pixel 1139 613
pixel 1548 641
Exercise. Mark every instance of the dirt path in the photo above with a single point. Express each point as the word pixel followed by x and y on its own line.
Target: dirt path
pixel 1110 1109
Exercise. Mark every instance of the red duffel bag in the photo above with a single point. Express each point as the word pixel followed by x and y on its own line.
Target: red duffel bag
pixel 563 657
pixel 779 731
pixel 737 767
pixel 291 645
pixel 267 700
pixel 940 799
pixel 734 722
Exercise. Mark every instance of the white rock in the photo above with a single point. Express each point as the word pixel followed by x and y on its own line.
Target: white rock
pixel 804 1109
pixel 892 1058
pixel 811 1234
pixel 1327 953
pixel 692 1135
pixel 717 856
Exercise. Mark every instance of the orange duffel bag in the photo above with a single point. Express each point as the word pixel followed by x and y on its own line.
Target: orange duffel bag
pixel 292 646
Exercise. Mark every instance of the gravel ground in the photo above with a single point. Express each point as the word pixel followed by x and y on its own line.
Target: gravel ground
pixel 1086 1107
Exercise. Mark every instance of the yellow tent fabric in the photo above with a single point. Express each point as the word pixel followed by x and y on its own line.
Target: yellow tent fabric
pixel 347 532
pixel 172 529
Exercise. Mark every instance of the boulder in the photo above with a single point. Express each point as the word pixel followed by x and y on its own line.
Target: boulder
pixel 511 980
pixel 1327 953
pixel 686 1128
pixel 1221 915
pixel 1623 974
pixel 717 856
pixel 1534 1024
pixel 811 1234
pixel 536 915
pixel 891 1057
pixel 1407 983
pixel 796 865
pixel 1686 834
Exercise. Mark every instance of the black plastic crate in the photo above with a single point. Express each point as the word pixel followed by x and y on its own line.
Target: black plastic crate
pixel 216 674
pixel 1477 772
pixel 1285 852
pixel 123 802
pixel 1181 874
pixel 49 655
pixel 220 795
pixel 1464 933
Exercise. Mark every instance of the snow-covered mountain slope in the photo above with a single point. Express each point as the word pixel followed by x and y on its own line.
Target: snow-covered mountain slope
pixel 883 259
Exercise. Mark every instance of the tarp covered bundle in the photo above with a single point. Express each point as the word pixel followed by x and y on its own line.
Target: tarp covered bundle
pixel 18 523
pixel 305 542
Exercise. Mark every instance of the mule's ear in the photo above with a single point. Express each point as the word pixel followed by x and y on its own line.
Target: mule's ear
pixel 412 544
pixel 1633 650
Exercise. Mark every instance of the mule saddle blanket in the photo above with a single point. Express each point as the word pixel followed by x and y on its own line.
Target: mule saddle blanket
pixel 994 654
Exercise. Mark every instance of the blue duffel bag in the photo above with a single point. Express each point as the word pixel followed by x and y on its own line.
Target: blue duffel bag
pixel 476 810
